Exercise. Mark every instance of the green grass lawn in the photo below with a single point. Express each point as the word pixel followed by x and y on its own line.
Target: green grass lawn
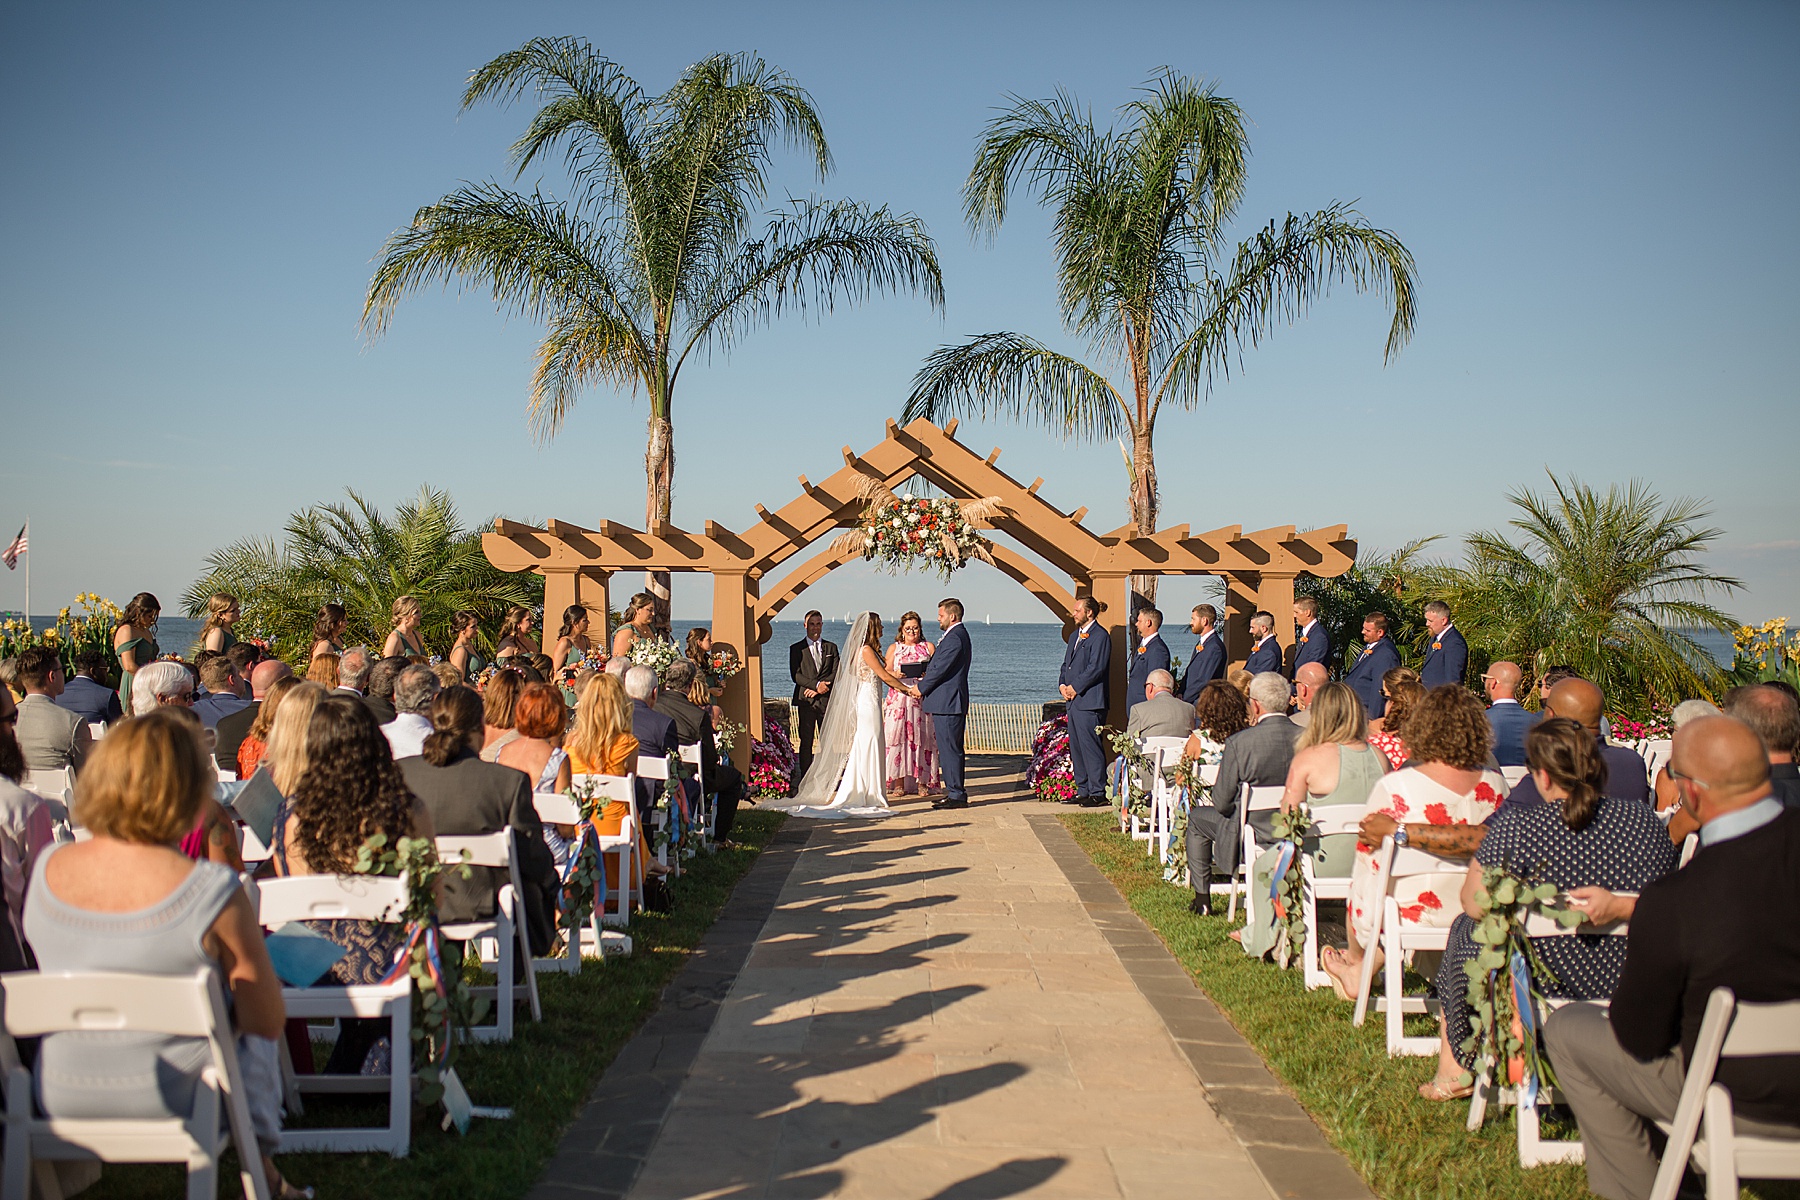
pixel 1367 1104
pixel 544 1073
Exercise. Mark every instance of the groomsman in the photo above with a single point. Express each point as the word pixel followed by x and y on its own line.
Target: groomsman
pixel 1265 654
pixel 1152 653
pixel 1208 662
pixel 1082 682
pixel 1311 643
pixel 1378 658
pixel 1448 659
pixel 812 664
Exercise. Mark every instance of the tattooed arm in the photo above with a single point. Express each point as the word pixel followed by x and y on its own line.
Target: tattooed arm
pixel 1446 841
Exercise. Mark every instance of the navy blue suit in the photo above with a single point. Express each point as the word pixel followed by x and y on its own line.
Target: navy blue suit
pixel 1153 656
pixel 1207 665
pixel 945 687
pixel 92 702
pixel 657 738
pixel 1086 664
pixel 1509 722
pixel 1266 657
pixel 1314 646
pixel 1378 658
pixel 1447 661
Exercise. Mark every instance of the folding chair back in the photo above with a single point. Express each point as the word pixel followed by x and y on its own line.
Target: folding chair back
pixel 690 755
pixel 1656 752
pixel 652 766
pixel 1164 754
pixel 1514 775
pixel 56 783
pixel 96 730
pixel 1395 937
pixel 505 929
pixel 1331 821
pixel 38 1004
pixel 1250 800
pixel 330 898
pixel 554 808
pixel 621 789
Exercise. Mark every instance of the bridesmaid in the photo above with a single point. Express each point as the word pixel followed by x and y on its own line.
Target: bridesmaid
pixel 572 641
pixel 699 652
pixel 515 635
pixel 405 641
pixel 222 612
pixel 328 630
pixel 911 745
pixel 465 654
pixel 640 622
pixel 135 640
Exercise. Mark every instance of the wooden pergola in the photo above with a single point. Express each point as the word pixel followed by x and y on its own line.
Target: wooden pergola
pixel 578 562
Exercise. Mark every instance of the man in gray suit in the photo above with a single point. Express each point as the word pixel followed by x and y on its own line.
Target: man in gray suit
pixel 50 737
pixel 1258 756
pixel 1161 713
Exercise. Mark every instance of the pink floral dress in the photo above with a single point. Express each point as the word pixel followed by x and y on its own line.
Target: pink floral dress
pixel 1411 797
pixel 911 746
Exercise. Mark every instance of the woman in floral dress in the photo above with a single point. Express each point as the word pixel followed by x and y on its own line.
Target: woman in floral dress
pixel 1448 783
pixel 911 745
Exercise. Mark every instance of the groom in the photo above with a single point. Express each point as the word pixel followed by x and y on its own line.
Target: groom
pixel 944 689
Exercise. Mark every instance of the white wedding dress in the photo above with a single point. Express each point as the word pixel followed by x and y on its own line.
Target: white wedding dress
pixel 847 777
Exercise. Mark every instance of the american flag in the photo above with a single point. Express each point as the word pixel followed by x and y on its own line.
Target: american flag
pixel 18 546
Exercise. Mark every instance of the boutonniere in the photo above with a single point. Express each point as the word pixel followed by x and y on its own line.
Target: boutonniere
pixel 1082 638
pixel 1437 645
pixel 1303 641
pixel 1140 649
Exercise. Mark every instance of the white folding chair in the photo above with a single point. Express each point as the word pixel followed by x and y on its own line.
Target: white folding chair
pixel 501 932
pixel 1656 752
pixel 1704 1130
pixel 1514 775
pixel 51 783
pixel 96 730
pixel 703 816
pixel 1335 820
pixel 227 776
pixel 656 767
pixel 1396 938
pixel 1164 754
pixel 351 897
pixel 1533 1150
pixel 1690 845
pixel 192 1006
pixel 1250 799
pixel 555 808
pixel 621 899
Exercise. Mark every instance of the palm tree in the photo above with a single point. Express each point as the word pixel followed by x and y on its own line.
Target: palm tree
pixel 654 258
pixel 1602 582
pixel 355 556
pixel 1143 270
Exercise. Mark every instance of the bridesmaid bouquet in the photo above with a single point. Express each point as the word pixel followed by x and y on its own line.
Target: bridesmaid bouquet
pixel 653 653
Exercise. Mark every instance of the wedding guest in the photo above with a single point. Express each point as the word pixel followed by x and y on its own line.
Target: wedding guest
pixel 1663 788
pixel 26 827
pixel 539 718
pixel 1447 783
pixel 405 640
pixel 499 701
pixel 1161 713
pixel 465 652
pixel 323 671
pixel 85 693
pixel 1507 717
pixel 1312 643
pixel 126 900
pixel 1208 660
pixel 225 692
pixel 244 656
pixel 235 727
pixel 214 836
pixel 1378 658
pixel 640 622
pixel 1259 756
pixel 1240 679
pixel 253 746
pixel 159 684
pixel 616 667
pixel 1580 838
pixel 515 635
pixel 414 689
pixel 1220 712
pixel 1401 691
pixel 1309 677
pixel 1150 653
pixel 328 630
pixel 1775 717
pixel 911 742
pixel 447 675
pixel 655 733
pixel 1447 661
pixel 1724 920
pixel 222 613
pixel 1265 650
pixel 1583 703
pixel 1087 663
pixel 134 639
pixel 354 666
pixel 9 676
pixel 812 665
pixel 50 737
pixel 288 754
pixel 541 669
pixel 572 641
pixel 378 693
pixel 466 798
pixel 350 791
pixel 600 742
pixel 682 682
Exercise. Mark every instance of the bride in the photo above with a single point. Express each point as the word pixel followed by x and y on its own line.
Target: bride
pixel 848 774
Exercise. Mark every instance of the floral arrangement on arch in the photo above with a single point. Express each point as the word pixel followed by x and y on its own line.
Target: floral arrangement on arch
pixel 902 532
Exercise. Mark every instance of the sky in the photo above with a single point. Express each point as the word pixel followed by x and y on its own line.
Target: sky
pixel 1598 196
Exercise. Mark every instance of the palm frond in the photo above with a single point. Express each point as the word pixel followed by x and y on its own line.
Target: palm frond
pixel 1006 374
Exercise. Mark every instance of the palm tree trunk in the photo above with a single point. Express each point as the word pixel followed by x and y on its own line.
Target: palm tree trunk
pixel 659 488
pixel 1144 500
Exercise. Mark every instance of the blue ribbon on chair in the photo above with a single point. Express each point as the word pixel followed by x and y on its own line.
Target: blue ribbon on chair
pixel 1519 979
pixel 1284 858
pixel 565 899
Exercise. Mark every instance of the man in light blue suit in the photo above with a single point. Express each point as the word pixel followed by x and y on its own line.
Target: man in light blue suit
pixel 1151 653
pixel 1208 662
pixel 1378 658
pixel 1448 659
pixel 1265 650
pixel 1311 642
pixel 1082 682
pixel 944 693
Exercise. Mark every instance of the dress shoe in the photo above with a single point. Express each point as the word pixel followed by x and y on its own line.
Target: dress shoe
pixel 1200 905
pixel 1093 802
pixel 946 802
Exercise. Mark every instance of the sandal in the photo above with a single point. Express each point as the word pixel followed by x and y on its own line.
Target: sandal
pixel 1438 1091
pixel 1329 957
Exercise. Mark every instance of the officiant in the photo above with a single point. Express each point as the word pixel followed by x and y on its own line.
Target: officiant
pixel 812 664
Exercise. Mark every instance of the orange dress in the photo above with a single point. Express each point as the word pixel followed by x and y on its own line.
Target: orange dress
pixel 611 819
pixel 250 752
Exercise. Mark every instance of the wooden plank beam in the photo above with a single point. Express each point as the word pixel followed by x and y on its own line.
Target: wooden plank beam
pixel 994 456
pixel 1035 485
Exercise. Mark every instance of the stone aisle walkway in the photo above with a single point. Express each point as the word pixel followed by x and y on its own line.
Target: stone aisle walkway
pixel 935 1010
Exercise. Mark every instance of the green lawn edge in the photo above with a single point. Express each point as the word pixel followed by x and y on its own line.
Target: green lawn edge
pixel 544 1074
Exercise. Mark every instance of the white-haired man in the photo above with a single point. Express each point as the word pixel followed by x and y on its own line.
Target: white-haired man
pixel 656 733
pixel 1161 713
pixel 1259 756
pixel 414 690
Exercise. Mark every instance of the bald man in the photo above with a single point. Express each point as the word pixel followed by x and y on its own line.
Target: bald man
pixel 1581 702
pixel 1724 920
pixel 234 727
pixel 1309 677
pixel 1507 717
pixel 1775 717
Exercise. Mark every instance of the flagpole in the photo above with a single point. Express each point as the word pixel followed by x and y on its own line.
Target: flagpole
pixel 27 573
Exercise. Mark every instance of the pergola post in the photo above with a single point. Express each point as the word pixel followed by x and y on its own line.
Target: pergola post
pixel 734 625
pixel 559 593
pixel 1114 591
pixel 1240 605
pixel 1275 594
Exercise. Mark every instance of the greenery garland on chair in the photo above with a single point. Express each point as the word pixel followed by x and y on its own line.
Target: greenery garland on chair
pixel 1190 789
pixel 1287 892
pixel 1505 999
pixel 442 1003
pixel 1125 781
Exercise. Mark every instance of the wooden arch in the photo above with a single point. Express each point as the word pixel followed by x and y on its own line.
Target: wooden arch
pixel 578 562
